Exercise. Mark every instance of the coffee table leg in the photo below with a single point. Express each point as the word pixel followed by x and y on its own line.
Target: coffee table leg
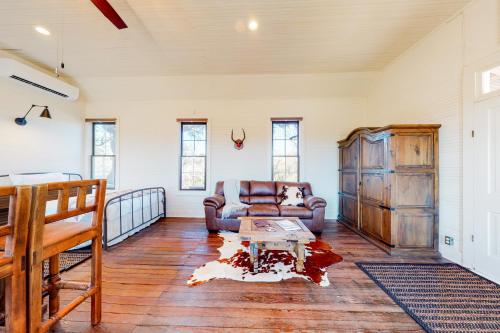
pixel 254 256
pixel 300 248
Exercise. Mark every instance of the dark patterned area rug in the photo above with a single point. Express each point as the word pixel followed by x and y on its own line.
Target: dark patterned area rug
pixel 68 260
pixel 440 297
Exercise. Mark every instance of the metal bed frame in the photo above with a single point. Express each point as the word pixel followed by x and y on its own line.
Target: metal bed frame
pixel 160 200
pixel 69 174
pixel 119 199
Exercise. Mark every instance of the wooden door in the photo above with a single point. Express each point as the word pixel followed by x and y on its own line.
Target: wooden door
pixel 487 189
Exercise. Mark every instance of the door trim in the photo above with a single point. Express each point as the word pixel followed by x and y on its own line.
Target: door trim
pixel 470 98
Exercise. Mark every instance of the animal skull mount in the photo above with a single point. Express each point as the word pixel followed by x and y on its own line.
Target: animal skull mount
pixel 238 143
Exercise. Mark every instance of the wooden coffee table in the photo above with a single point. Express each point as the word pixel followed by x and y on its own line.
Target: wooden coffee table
pixel 267 234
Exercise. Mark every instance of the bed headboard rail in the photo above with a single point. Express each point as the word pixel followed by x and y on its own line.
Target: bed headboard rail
pixel 4 201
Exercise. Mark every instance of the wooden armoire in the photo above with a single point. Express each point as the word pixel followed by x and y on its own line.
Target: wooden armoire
pixel 388 180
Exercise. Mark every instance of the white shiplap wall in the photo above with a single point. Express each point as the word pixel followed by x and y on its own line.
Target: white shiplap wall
pixel 424 85
pixel 147 108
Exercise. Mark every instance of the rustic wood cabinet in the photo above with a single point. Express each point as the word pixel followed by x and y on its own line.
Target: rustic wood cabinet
pixel 388 179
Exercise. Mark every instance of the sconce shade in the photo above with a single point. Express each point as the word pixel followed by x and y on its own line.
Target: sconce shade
pixel 45 113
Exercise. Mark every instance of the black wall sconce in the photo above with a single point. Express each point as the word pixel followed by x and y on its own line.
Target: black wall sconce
pixel 45 114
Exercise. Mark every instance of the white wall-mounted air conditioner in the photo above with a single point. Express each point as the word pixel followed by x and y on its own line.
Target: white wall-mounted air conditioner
pixel 29 76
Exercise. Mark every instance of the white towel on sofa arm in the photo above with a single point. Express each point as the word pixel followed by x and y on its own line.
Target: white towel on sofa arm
pixel 232 197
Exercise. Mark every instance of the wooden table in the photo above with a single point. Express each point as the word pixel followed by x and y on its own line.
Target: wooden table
pixel 274 237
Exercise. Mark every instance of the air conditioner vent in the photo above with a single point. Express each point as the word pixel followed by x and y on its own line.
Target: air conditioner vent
pixel 31 77
pixel 15 77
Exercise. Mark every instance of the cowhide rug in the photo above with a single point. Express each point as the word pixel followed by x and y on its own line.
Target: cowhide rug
pixel 234 263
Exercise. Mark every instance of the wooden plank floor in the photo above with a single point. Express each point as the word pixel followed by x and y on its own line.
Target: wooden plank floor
pixel 144 286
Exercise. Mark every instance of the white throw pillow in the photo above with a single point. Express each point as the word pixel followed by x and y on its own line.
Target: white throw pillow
pixel 292 196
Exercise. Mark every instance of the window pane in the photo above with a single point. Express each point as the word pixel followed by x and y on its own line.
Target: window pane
pixel 199 180
pixel 199 148
pixel 187 181
pixel 292 169
pixel 279 130
pixel 187 164
pixel 279 147
pixel 291 147
pixel 200 132
pixel 188 148
pixel 291 130
pixel 188 132
pixel 104 139
pixel 279 165
pixel 199 164
pixel 491 80
pixel 103 167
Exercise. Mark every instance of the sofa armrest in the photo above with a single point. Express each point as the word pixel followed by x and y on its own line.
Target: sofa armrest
pixel 311 202
pixel 216 201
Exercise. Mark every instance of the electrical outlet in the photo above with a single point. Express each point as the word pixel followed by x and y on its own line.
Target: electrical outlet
pixel 448 240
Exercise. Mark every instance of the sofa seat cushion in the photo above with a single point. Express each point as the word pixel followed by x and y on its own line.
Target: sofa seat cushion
pixel 263 210
pixel 239 213
pixel 294 211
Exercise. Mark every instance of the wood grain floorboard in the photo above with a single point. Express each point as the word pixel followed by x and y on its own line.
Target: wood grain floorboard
pixel 144 290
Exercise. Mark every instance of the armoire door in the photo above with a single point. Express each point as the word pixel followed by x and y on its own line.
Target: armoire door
pixel 348 183
pixel 487 189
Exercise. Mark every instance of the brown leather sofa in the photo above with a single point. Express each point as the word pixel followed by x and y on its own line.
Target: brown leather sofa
pixel 264 200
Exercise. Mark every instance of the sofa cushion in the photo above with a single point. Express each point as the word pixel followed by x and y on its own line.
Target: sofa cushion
pixel 245 199
pixel 306 186
pixel 294 211
pixel 262 188
pixel 292 196
pixel 263 210
pixel 262 199
pixel 244 188
pixel 239 213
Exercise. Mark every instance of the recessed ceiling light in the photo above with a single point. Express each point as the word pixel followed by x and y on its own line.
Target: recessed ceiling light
pixel 253 25
pixel 42 30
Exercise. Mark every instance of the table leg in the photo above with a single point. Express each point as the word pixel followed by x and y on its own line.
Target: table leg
pixel 254 256
pixel 300 249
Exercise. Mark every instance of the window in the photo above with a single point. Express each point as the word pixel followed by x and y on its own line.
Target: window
pixel 103 159
pixel 490 80
pixel 193 156
pixel 286 151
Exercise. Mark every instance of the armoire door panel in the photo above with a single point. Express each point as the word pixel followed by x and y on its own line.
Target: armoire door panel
pixel 349 209
pixel 373 187
pixel 376 221
pixel 350 155
pixel 372 153
pixel 414 190
pixel 416 229
pixel 349 182
pixel 414 150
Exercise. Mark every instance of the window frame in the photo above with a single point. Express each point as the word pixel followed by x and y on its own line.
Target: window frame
pixel 181 155
pixel 108 123
pixel 284 121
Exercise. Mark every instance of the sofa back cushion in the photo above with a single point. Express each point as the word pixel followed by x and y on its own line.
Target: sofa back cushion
pixel 262 192
pixel 262 188
pixel 244 188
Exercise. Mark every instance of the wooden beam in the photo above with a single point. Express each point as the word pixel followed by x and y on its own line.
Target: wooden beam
pixel 192 120
pixel 100 120
pixel 286 118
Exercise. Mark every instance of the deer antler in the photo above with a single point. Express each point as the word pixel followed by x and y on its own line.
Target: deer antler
pixel 244 135
pixel 232 136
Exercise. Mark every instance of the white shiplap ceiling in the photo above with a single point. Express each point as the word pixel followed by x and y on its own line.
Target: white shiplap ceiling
pixel 179 37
